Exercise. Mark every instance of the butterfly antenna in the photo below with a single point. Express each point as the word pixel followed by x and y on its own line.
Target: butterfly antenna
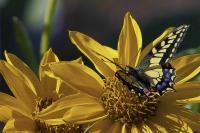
pixel 108 60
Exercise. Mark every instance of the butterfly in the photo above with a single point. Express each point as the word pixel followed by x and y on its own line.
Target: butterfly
pixel 154 73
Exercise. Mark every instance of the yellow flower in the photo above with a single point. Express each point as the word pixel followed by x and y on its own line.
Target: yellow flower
pixel 32 95
pixel 115 108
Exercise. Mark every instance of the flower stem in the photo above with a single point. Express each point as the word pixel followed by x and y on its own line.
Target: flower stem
pixel 48 18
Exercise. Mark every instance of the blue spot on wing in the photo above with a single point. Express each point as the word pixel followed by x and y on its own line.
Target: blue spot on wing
pixel 165 79
pixel 167 74
pixel 164 84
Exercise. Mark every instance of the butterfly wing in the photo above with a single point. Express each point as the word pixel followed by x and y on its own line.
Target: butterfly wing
pixel 165 49
pixel 155 64
pixel 162 78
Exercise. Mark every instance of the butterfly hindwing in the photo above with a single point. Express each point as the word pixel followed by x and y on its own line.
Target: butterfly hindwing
pixel 162 79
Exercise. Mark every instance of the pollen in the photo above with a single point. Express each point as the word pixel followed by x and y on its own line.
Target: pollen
pixel 43 103
pixel 42 127
pixel 125 106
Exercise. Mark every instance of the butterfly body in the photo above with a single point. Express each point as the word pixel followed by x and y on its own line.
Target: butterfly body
pixel 134 79
pixel 142 84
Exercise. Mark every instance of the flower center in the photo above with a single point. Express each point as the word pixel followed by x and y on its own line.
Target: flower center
pixel 42 104
pixel 43 127
pixel 126 106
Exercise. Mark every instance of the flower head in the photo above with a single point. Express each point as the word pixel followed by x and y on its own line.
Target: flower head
pixel 32 96
pixel 117 108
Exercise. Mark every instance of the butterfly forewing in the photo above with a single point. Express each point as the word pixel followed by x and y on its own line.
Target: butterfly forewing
pixel 165 49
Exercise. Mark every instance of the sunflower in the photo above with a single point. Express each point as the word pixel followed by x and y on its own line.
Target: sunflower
pixel 116 108
pixel 32 95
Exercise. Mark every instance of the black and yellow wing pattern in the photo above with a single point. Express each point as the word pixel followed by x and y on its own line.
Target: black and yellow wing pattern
pixel 156 64
pixel 166 48
pixel 162 78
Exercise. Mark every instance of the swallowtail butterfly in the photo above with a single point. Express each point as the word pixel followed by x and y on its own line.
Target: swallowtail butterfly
pixel 154 73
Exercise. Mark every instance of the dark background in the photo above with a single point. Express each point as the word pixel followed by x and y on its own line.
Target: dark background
pixel 101 20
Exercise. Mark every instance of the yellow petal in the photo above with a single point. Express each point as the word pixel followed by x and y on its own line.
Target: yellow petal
pixel 148 48
pixel 156 127
pixel 190 100
pixel 161 122
pixel 20 65
pixel 20 123
pixel 5 113
pixel 20 85
pixel 65 89
pixel 180 62
pixel 85 113
pixel 79 76
pixel 49 84
pixel 89 46
pixel 112 53
pixel 130 42
pixel 8 104
pixel 183 91
pixel 48 57
pixel 171 123
pixel 144 128
pixel 134 129
pixel 101 126
pixel 79 60
pixel 61 106
pixel 181 125
pixel 187 73
pixel 115 128
pixel 166 106
pixel 56 121
pixel 52 86
pixel 192 118
pixel 186 67
pixel 125 129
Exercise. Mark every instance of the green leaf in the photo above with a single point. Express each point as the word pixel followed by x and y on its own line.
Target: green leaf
pixel 195 107
pixel 24 43
pixel 189 51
